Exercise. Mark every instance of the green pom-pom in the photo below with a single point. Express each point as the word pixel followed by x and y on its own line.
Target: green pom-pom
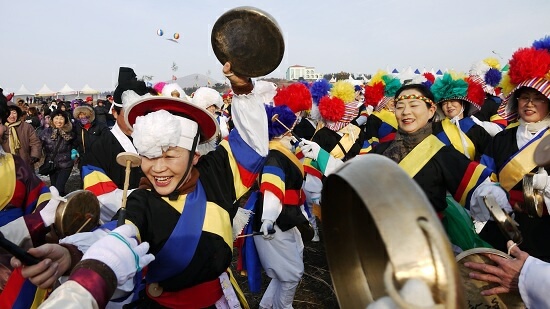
pixel 447 88
pixel 392 85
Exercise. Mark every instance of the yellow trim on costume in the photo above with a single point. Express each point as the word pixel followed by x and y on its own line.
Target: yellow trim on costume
pixel 387 116
pixel 7 170
pixel 453 133
pixel 214 216
pixel 420 155
pixel 94 178
pixel 238 290
pixel 276 145
pixel 240 188
pixel 346 141
pixel 44 197
pixel 39 297
pixel 513 125
pixel 214 220
pixel 521 164
pixel 274 180
pixel 472 183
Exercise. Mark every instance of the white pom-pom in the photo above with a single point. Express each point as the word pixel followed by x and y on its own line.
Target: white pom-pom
pixel 205 97
pixel 155 132
pixel 479 69
pixel 129 97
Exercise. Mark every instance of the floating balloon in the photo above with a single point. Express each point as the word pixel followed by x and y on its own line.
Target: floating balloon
pixel 160 32
pixel 176 35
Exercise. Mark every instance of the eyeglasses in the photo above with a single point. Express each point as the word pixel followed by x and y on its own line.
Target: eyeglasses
pixel 527 99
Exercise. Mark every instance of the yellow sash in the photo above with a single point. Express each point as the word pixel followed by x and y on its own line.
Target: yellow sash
pixel 7 172
pixel 521 164
pixel 387 116
pixel 346 141
pixel 420 155
pixel 453 133
pixel 275 145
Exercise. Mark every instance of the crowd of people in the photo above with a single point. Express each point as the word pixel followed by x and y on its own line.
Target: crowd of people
pixel 460 137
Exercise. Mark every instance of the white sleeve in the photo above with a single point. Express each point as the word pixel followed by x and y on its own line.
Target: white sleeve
pixel 272 207
pixel 110 203
pixel 70 295
pixel 313 187
pixel 491 127
pixel 534 283
pixel 16 231
pixel 224 130
pixel 249 117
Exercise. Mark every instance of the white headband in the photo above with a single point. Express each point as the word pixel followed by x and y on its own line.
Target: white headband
pixel 157 131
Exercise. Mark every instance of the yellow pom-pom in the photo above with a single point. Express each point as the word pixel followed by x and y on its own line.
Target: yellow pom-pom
pixel 377 77
pixel 457 75
pixel 506 85
pixel 492 62
pixel 343 90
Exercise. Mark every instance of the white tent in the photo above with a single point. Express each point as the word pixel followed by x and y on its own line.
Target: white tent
pixel 66 90
pixel 45 92
pixel 23 91
pixel 88 90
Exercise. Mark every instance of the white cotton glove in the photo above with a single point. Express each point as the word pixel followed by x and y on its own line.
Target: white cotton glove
pixel 490 127
pixel 267 225
pixel 479 210
pixel 48 212
pixel 540 179
pixel 121 252
pixel 310 149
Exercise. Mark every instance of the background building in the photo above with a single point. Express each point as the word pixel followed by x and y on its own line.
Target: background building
pixel 296 72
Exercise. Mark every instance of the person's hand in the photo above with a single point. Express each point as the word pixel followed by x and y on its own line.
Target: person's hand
pixel 236 81
pixel 121 252
pixel 505 273
pixel 540 180
pixel 267 226
pixel 48 212
pixel 310 149
pixel 56 260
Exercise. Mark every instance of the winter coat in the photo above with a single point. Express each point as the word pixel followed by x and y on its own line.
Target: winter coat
pixel 29 142
pixel 63 157
pixel 101 113
pixel 86 138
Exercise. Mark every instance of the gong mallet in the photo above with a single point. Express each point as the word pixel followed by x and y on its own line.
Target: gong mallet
pixel 295 138
pixel 128 160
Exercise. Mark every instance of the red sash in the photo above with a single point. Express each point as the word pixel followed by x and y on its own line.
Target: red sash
pixel 199 296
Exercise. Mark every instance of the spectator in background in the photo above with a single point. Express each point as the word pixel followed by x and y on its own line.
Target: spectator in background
pixel 87 129
pixel 59 135
pixel 109 105
pixel 21 139
pixel 32 118
pixel 89 101
pixel 101 112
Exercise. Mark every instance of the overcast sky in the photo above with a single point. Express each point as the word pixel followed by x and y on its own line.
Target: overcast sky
pixel 85 42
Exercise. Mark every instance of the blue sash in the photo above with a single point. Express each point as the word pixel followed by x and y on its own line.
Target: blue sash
pixel 250 257
pixel 8 215
pixel 179 249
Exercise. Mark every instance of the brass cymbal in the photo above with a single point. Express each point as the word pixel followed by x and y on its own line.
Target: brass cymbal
pixel 79 214
pixel 250 39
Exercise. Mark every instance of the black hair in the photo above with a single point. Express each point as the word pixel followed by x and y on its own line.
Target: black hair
pixel 16 109
pixel 59 112
pixel 425 91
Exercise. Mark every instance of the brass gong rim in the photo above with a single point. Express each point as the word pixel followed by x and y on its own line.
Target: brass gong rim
pixel 69 219
pixel 250 39
pixel 366 225
pixel 533 200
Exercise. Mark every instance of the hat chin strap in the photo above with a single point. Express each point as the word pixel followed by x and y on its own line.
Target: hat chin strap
pixel 175 194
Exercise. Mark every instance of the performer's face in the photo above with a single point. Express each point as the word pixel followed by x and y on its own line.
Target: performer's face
pixel 165 172
pixel 532 105
pixel 412 114
pixel 452 108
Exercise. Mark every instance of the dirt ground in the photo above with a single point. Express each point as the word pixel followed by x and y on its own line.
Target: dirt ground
pixel 314 291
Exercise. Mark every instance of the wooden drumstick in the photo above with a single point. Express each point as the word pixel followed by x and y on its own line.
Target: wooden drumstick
pixel 295 138
pixel 129 160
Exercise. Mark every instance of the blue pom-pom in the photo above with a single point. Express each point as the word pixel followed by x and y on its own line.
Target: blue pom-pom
pixel 493 77
pixel 285 115
pixel 427 83
pixel 305 83
pixel 543 43
pixel 319 89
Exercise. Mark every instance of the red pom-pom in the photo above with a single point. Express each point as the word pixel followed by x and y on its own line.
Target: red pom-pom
pixel 528 63
pixel 296 96
pixel 429 76
pixel 475 92
pixel 374 93
pixel 331 109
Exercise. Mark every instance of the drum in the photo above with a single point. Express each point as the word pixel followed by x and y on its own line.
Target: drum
pixel 250 40
pixel 473 287
pixel 79 214
pixel 371 231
